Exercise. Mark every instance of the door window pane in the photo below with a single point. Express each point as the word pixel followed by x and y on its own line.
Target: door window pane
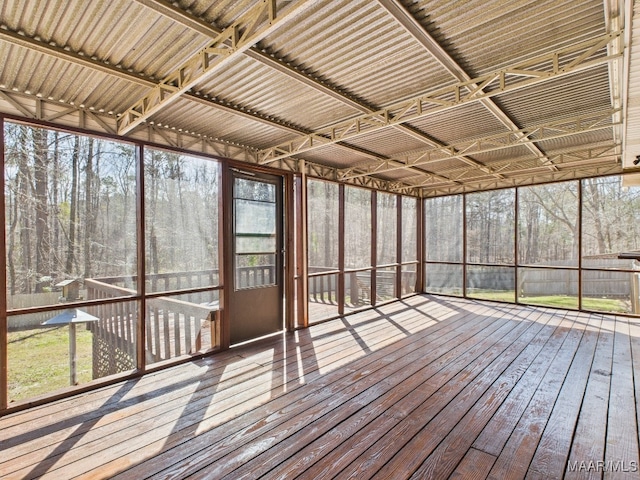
pixel 254 190
pixel 255 217
pixel 255 225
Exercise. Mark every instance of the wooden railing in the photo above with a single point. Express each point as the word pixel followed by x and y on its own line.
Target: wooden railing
pixel 323 285
pixel 172 327
pixel 175 328
pixel 168 281
pixel 255 276
pixel 115 333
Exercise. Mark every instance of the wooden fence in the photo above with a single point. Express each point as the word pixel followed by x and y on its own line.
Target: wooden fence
pixel 604 282
pixel 27 300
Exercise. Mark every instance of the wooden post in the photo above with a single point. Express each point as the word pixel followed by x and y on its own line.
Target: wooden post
pixel 398 283
pixel 225 254
pixel 4 320
pixel 302 255
pixel 73 356
pixel 420 245
pixel 341 275
pixel 141 332
pixel 373 275
pixel 290 252
pixel 635 292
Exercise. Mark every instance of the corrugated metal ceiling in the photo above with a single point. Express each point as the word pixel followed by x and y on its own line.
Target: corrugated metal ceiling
pixel 330 62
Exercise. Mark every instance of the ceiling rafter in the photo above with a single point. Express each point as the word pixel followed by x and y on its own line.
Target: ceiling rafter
pixel 411 25
pixel 34 108
pixel 94 63
pixel 137 78
pixel 191 21
pixel 522 137
pixel 542 68
pixel 140 79
pixel 184 18
pixel 188 20
pixel 57 51
pixel 526 179
pixel 604 153
pixel 250 28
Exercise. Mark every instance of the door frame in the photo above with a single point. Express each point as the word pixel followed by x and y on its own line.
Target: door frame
pixel 288 258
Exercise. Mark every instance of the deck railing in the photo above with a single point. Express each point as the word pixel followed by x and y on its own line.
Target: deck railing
pixel 323 285
pixel 115 332
pixel 173 327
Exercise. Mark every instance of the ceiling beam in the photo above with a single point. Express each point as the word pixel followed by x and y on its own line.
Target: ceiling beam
pixel 542 68
pixel 411 25
pixel 163 7
pixel 256 23
pixel 29 107
pixel 138 78
pixel 63 53
pixel 526 178
pixel 539 133
pixel 603 153
pixel 188 20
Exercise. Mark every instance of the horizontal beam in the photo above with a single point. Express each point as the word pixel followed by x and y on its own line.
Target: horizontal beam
pixel 30 109
pixel 524 136
pixel 190 21
pixel 525 179
pixel 415 29
pixel 250 28
pixel 539 69
pixel 587 156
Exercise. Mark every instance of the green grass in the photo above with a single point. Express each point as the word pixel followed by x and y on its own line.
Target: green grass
pixel 560 301
pixel 39 360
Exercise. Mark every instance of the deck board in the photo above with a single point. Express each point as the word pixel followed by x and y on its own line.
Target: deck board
pixel 427 387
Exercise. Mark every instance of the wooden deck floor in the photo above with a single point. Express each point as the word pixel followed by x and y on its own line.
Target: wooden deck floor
pixel 428 387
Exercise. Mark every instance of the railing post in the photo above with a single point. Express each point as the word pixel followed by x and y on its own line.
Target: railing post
pixel 635 292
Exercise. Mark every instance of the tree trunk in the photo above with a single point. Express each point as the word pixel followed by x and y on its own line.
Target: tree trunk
pixel 88 210
pixel 73 209
pixel 24 202
pixel 55 202
pixel 43 243
pixel 598 211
